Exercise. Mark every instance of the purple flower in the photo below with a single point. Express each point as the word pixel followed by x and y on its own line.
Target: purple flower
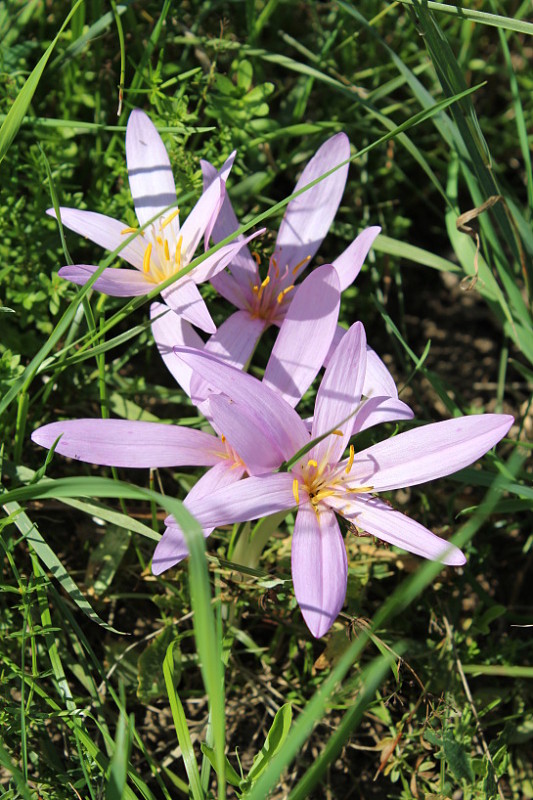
pixel 322 483
pixel 264 301
pixel 163 247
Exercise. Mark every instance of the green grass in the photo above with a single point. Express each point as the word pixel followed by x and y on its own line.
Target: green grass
pixel 205 682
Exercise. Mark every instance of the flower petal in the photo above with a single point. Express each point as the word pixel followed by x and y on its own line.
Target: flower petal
pixel 223 175
pixel 104 231
pixel 246 435
pixel 305 335
pixel 170 330
pixel 428 452
pixel 283 424
pixel 149 171
pixel 217 261
pixel 243 266
pixel 349 263
pixel 200 217
pixel 319 567
pixel 125 443
pixel 172 547
pixel 339 395
pixel 114 282
pixel 309 216
pixel 378 380
pixel 235 340
pixel 250 498
pixel 377 410
pixel 377 518
pixel 184 298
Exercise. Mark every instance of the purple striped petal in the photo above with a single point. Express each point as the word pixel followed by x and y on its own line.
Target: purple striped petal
pixel 125 443
pixel 284 426
pixel 245 434
pixel 170 330
pixel 104 231
pixel 223 175
pixel 429 452
pixel 243 266
pixel 377 518
pixel 149 171
pixel 172 547
pixel 319 567
pixel 114 282
pixel 305 335
pixel 349 263
pixel 231 290
pixel 377 410
pixel 378 380
pixel 184 298
pixel 339 395
pixel 308 217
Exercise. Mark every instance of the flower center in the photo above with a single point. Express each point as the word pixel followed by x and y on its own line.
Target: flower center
pixel 320 481
pixel 164 254
pixel 269 298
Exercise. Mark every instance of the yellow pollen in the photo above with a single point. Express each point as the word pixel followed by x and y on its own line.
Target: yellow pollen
pixel 300 264
pixel 265 282
pixel 274 261
pixel 312 463
pixel 361 490
pixel 337 432
pixel 159 241
pixel 146 257
pixel 169 219
pixel 223 438
pixel 167 252
pixel 282 294
pixel 295 491
pixel 128 230
pixel 350 460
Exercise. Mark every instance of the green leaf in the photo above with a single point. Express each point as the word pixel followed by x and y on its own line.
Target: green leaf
pixel 18 110
pixel 277 735
pixel 231 775
pixel 152 682
pixel 105 559
pixel 118 766
pixel 457 758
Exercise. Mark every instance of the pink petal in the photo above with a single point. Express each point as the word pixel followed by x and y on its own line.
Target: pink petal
pixel 246 435
pixel 339 395
pixel 349 263
pixel 199 219
pixel 378 380
pixel 377 410
pixel 114 282
pixel 217 261
pixel 305 335
pixel 308 217
pixel 235 340
pixel 428 452
pixel 377 518
pixel 250 498
pixel 149 171
pixel 184 298
pixel 285 428
pixel 125 443
pixel 170 330
pixel 172 547
pixel 104 231
pixel 231 290
pixel 243 266
pixel 319 567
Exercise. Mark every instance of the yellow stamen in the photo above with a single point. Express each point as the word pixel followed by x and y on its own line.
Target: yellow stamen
pixel 223 438
pixel 128 230
pixel 300 264
pixel 312 463
pixel 337 432
pixel 146 257
pixel 167 252
pixel 350 460
pixel 256 258
pixel 169 219
pixel 177 257
pixel 274 261
pixel 361 490
pixel 262 287
pixel 295 491
pixel 282 294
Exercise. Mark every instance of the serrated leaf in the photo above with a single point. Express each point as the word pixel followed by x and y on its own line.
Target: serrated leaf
pixel 457 758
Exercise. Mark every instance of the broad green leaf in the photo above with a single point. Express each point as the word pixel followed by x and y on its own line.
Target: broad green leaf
pixel 231 775
pixel 279 730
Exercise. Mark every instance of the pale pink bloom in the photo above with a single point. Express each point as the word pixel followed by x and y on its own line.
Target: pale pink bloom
pixel 163 247
pixel 264 301
pixel 323 483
